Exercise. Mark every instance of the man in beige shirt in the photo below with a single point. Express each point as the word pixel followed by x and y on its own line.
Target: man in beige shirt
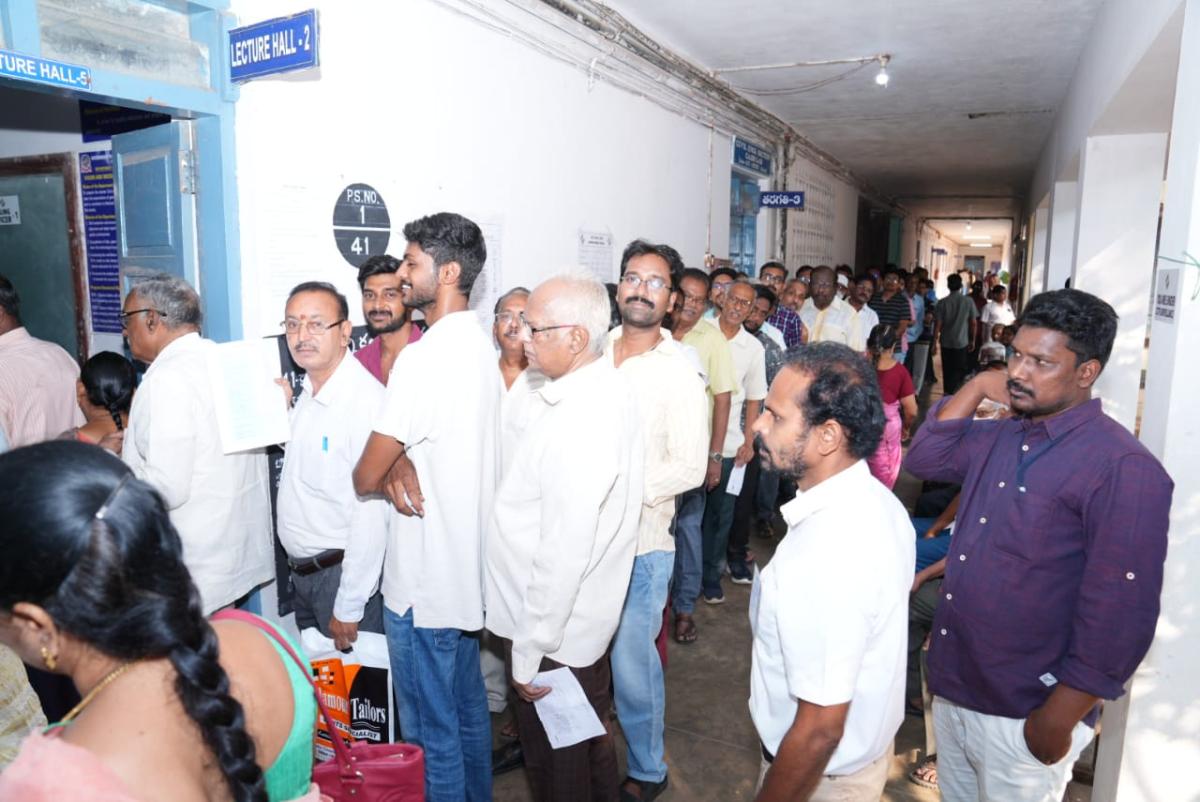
pixel 674 409
pixel 37 380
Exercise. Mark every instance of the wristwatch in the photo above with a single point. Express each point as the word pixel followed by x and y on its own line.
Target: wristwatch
pixel 715 456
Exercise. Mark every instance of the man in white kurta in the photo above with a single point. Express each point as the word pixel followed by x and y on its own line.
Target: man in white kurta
pixel 218 502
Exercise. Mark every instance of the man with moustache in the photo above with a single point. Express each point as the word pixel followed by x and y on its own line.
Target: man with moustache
pixel 826 316
pixel 388 322
pixel 674 414
pixel 749 364
pixel 786 320
pixel 794 294
pixel 433 452
pixel 1051 593
pixel 862 317
pixel 333 539
pixel 828 666
pixel 564 530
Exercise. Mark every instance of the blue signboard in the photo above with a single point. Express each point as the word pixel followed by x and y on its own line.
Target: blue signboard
pixel 100 236
pixel 781 200
pixel 44 71
pixel 749 156
pixel 99 122
pixel 284 44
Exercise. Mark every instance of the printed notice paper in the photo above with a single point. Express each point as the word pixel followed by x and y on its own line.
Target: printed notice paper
pixel 565 712
pixel 250 406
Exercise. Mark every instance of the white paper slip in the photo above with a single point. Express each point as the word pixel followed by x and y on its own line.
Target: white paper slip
pixel 565 712
pixel 250 406
pixel 738 475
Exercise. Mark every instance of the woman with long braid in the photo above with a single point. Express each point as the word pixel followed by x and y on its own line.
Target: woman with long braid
pixel 93 586
pixel 104 391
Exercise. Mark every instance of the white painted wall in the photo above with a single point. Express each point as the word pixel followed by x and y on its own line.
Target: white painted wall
pixel 1064 204
pixel 437 112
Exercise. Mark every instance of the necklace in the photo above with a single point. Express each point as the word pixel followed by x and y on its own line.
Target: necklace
pixel 101 685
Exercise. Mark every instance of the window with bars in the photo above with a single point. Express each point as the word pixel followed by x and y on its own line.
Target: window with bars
pixel 810 232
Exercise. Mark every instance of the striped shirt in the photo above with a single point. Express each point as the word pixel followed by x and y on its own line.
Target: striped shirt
pixel 37 389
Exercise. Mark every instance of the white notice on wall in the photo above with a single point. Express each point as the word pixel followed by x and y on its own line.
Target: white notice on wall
pixel 596 254
pixel 489 284
pixel 10 210
pixel 250 406
pixel 1166 295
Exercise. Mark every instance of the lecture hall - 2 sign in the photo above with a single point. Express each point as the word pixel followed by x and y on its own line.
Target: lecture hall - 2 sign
pixel 283 44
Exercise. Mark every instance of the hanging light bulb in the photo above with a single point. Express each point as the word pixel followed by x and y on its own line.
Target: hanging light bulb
pixel 968 225
pixel 881 79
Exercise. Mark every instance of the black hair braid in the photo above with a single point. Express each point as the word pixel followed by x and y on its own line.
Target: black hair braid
pixel 116 416
pixel 203 688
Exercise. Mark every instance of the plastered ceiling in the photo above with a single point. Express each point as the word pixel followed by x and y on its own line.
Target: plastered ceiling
pixel 974 83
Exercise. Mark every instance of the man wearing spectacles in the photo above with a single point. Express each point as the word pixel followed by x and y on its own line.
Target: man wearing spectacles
pixel 389 323
pixel 330 535
pixel 219 502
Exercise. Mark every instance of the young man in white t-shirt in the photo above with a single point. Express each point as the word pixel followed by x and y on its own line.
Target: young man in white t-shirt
pixel 830 611
pixel 996 311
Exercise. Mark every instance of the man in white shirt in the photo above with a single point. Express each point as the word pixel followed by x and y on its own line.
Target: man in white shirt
pixel 862 317
pixel 434 453
pixel 220 503
pixel 674 414
pixel 830 611
pixel 996 311
pixel 750 369
pixel 37 380
pixel 826 316
pixel 331 536
pixel 564 531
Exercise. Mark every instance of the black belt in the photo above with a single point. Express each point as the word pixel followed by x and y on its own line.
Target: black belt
pixel 767 756
pixel 310 565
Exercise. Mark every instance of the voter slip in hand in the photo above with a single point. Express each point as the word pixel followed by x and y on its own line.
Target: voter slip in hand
pixel 565 712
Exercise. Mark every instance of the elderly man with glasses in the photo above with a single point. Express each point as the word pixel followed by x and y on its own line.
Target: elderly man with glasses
pixel 786 320
pixel 331 536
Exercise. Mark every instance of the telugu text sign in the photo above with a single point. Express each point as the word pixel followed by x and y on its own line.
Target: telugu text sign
pixel 781 200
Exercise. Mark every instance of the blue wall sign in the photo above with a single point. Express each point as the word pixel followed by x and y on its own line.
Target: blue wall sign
pixel 781 200
pixel 100 234
pixel 44 71
pixel 749 156
pixel 284 44
pixel 98 122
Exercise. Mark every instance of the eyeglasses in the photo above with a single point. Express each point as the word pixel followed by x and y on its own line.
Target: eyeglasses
pixel 740 303
pixel 126 315
pixel 633 281
pixel 315 328
pixel 771 278
pixel 508 318
pixel 534 331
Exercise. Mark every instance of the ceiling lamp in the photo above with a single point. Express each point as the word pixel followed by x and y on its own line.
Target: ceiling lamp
pixel 881 78
pixel 968 225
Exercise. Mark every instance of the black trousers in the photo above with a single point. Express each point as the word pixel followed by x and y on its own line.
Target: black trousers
pixel 955 366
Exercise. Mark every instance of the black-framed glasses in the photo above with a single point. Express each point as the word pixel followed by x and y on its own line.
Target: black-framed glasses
pixel 536 330
pixel 315 328
pixel 633 280
pixel 126 315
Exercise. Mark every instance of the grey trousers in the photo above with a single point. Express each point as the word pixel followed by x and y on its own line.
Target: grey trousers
pixel 314 599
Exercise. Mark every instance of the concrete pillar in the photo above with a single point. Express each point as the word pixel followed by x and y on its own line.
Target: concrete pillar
pixel 1060 244
pixel 1039 242
pixel 1120 181
pixel 1159 752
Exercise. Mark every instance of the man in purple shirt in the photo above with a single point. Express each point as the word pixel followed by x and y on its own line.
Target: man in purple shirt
pixel 1052 582
pixel 388 321
pixel 774 275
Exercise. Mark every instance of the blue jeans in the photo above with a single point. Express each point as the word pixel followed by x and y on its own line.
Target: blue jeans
pixel 443 707
pixel 767 493
pixel 689 554
pixel 718 518
pixel 930 549
pixel 637 672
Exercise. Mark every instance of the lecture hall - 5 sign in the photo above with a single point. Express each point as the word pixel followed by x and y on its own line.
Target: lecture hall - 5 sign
pixel 283 44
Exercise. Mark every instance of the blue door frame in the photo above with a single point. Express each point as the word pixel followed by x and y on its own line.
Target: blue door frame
pixel 213 113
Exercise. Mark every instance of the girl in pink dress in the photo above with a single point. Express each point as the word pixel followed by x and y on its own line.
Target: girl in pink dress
pixel 899 403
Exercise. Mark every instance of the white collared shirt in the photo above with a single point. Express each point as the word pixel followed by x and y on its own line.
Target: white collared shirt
pixel 37 389
pixel 750 368
pixel 775 334
pixel 862 321
pixel 317 508
pixel 220 503
pixel 674 414
pixel 831 324
pixel 442 402
pixel 994 313
pixel 519 407
pixel 565 526
pixel 830 616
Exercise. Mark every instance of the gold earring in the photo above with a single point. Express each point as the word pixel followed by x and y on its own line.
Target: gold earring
pixel 49 659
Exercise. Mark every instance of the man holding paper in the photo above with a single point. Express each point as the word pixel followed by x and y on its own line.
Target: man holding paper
pixel 219 502
pixel 333 538
pixel 562 539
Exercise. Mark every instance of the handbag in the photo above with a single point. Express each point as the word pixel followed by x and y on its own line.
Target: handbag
pixel 360 771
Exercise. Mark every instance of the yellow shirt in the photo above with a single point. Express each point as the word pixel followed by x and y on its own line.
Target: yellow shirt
pixel 716 358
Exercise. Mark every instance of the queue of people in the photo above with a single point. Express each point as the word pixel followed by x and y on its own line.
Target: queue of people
pixel 507 503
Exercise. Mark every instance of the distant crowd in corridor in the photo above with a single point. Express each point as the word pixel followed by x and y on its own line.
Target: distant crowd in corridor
pixel 559 492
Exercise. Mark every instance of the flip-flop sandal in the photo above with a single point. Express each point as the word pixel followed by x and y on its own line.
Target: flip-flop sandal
pixel 925 774
pixel 685 630
pixel 509 730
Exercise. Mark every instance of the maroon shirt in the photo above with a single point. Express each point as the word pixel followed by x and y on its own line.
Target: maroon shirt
pixel 1056 565
pixel 371 355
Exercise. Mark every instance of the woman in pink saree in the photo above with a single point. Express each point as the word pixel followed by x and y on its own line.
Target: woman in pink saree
pixel 899 403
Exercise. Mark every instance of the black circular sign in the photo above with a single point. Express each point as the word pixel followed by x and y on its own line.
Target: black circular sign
pixel 361 226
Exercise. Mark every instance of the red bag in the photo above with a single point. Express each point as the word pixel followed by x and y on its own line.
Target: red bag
pixel 362 771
